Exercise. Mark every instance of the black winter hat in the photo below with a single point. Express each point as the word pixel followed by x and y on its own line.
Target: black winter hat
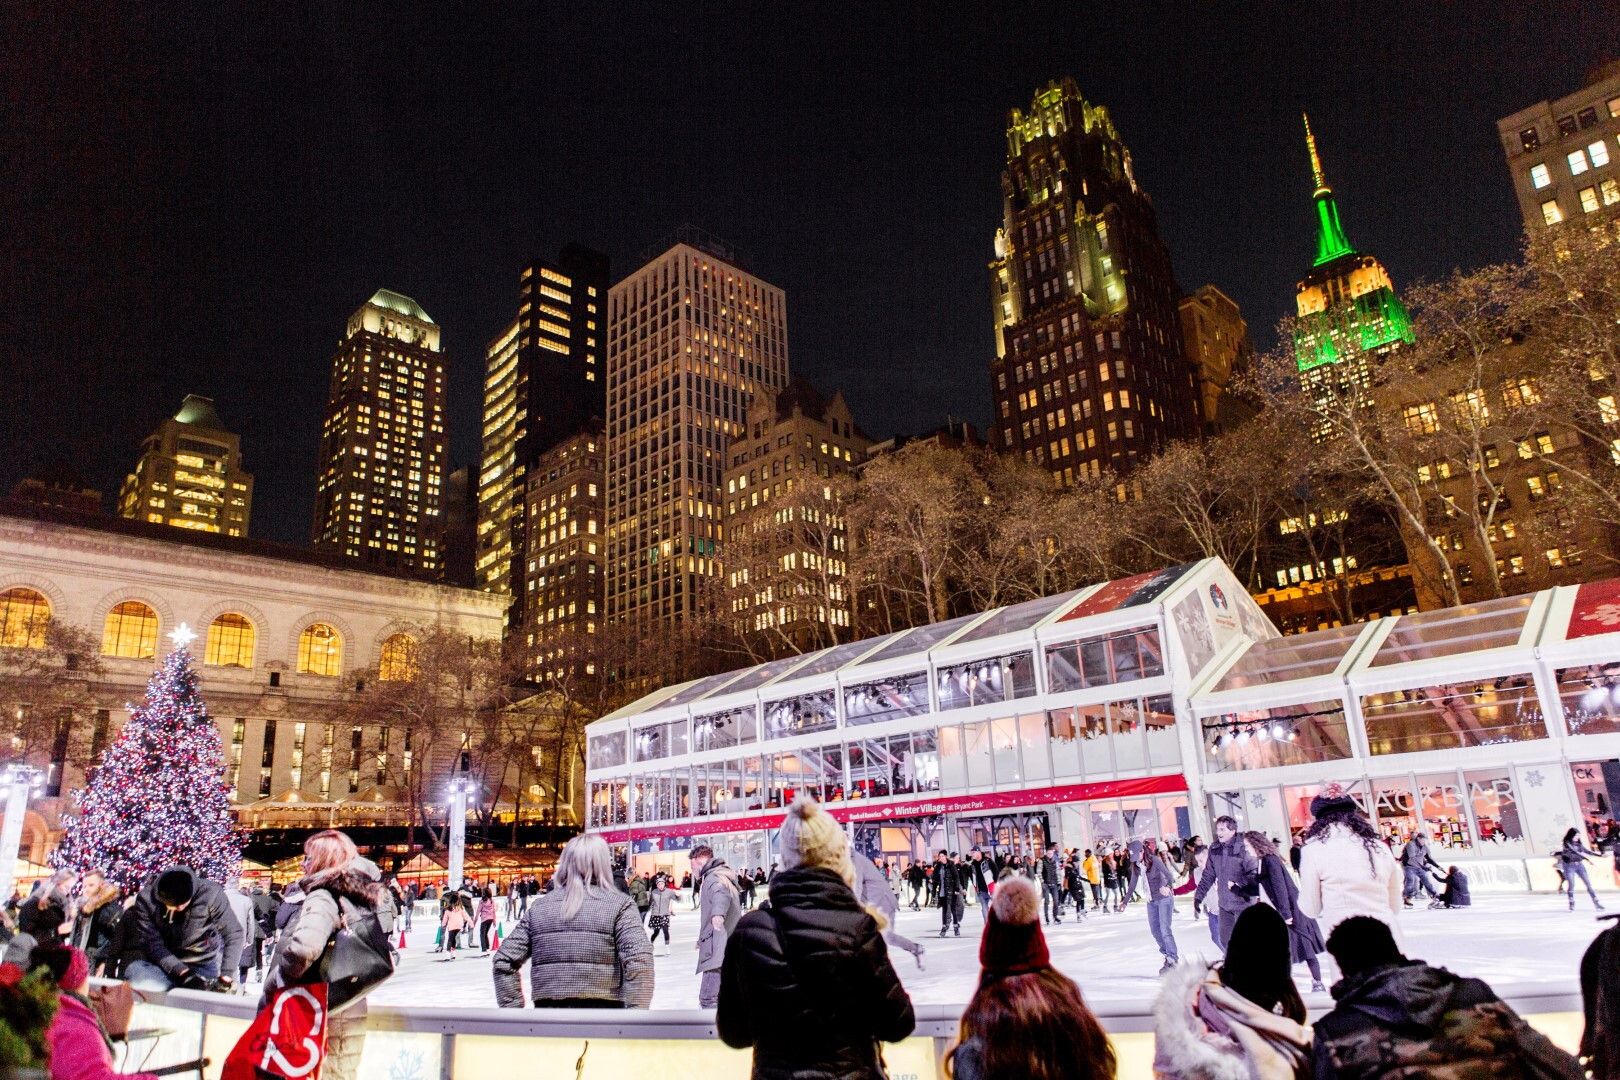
pixel 175 887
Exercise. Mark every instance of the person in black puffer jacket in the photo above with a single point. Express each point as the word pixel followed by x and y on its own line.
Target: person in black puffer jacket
pixel 806 979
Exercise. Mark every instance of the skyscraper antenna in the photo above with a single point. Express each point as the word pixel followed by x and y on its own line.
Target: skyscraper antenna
pixel 1316 162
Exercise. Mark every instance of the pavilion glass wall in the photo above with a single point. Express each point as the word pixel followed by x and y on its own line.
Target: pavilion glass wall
pixel 1590 695
pixel 1282 735
pixel 1466 812
pixel 1454 715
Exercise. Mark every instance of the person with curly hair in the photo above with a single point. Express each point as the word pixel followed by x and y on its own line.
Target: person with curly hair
pixel 1344 868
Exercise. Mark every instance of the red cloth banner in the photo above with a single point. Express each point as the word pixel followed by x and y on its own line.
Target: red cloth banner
pixel 1126 592
pixel 1597 609
pixel 287 1039
pixel 944 804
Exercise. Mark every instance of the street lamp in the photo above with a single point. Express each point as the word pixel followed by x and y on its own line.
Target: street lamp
pixel 18 780
pixel 461 787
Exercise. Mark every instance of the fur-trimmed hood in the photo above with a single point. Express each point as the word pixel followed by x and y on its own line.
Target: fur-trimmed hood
pixel 1261 1045
pixel 352 882
pixel 1183 1047
pixel 102 897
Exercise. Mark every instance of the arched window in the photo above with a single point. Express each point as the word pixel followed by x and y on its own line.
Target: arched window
pixel 320 650
pixel 230 642
pixel 130 631
pixel 398 662
pixel 24 614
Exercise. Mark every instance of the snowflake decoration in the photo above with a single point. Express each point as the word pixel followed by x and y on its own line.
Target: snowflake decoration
pixel 1604 614
pixel 1534 778
pixel 1258 800
pixel 407 1066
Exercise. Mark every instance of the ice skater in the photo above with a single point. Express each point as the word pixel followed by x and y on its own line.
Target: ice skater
pixel 1416 859
pixel 950 879
pixel 1305 942
pixel 1572 860
pixel 1161 903
pixel 872 889
pixel 1233 872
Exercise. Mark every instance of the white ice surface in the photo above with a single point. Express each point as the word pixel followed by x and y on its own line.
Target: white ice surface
pixel 1502 939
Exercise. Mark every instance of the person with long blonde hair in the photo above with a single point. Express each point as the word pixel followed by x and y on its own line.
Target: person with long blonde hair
pixel 335 877
pixel 582 940
pixel 806 979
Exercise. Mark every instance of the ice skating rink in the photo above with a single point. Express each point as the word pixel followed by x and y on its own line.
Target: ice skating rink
pixel 1520 939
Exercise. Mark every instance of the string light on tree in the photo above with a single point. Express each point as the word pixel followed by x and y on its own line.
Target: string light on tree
pixel 158 798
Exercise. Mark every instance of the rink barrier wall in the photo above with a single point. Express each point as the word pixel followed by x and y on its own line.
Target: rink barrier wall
pixel 437 1043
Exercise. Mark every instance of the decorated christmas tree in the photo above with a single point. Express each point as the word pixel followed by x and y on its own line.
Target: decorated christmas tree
pixel 158 797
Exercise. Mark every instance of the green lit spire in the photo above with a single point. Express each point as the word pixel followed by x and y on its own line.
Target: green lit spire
pixel 1330 239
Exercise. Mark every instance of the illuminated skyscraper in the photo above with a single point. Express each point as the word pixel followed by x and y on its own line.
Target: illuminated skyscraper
pixel 691 340
pixel 1090 372
pixel 190 475
pixel 379 489
pixel 544 383
pixel 565 543
pixel 1348 311
pixel 1565 154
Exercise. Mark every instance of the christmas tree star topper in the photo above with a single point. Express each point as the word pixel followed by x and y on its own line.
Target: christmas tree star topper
pixel 182 636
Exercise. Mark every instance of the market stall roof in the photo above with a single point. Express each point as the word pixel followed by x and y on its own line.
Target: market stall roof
pixel 480 862
pixel 291 799
pixel 376 795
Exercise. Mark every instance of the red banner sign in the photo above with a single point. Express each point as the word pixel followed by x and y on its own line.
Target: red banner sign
pixel 1126 592
pixel 944 804
pixel 1597 609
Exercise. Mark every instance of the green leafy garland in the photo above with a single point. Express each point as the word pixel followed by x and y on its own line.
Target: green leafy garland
pixel 27 1003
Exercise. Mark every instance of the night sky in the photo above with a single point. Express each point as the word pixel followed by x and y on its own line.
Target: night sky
pixel 196 197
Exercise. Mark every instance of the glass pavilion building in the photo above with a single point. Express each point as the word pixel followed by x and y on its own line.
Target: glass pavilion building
pixel 1135 708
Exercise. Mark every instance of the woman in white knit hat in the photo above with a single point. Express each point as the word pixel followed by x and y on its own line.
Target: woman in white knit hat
pixel 806 979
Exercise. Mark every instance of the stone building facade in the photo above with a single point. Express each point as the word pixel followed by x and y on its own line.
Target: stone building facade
pixel 283 639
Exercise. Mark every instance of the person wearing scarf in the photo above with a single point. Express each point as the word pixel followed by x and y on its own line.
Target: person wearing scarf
pixel 1237 1019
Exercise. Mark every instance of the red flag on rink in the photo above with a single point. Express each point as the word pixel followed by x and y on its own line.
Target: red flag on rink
pixel 286 1040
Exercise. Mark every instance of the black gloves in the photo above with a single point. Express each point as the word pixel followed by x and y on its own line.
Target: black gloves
pixel 186 979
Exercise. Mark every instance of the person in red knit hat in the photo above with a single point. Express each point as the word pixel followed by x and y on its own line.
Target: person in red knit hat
pixel 79 1048
pixel 1026 1020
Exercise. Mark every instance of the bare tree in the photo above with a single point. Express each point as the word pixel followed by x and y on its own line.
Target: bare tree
pixel 909 519
pixel 1569 307
pixel 442 700
pixel 46 668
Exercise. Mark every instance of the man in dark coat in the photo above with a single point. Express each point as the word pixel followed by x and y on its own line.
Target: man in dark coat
pixel 1233 872
pixel 1416 861
pixel 181 928
pixel 1398 1018
pixel 1051 886
pixel 950 878
pixel 979 871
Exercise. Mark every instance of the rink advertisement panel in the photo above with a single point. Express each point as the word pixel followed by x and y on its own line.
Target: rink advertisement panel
pixel 944 804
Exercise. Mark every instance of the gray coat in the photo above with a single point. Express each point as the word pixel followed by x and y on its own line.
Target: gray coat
pixel 717 895
pixel 872 888
pixel 1160 875
pixel 601 954
pixel 1233 871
